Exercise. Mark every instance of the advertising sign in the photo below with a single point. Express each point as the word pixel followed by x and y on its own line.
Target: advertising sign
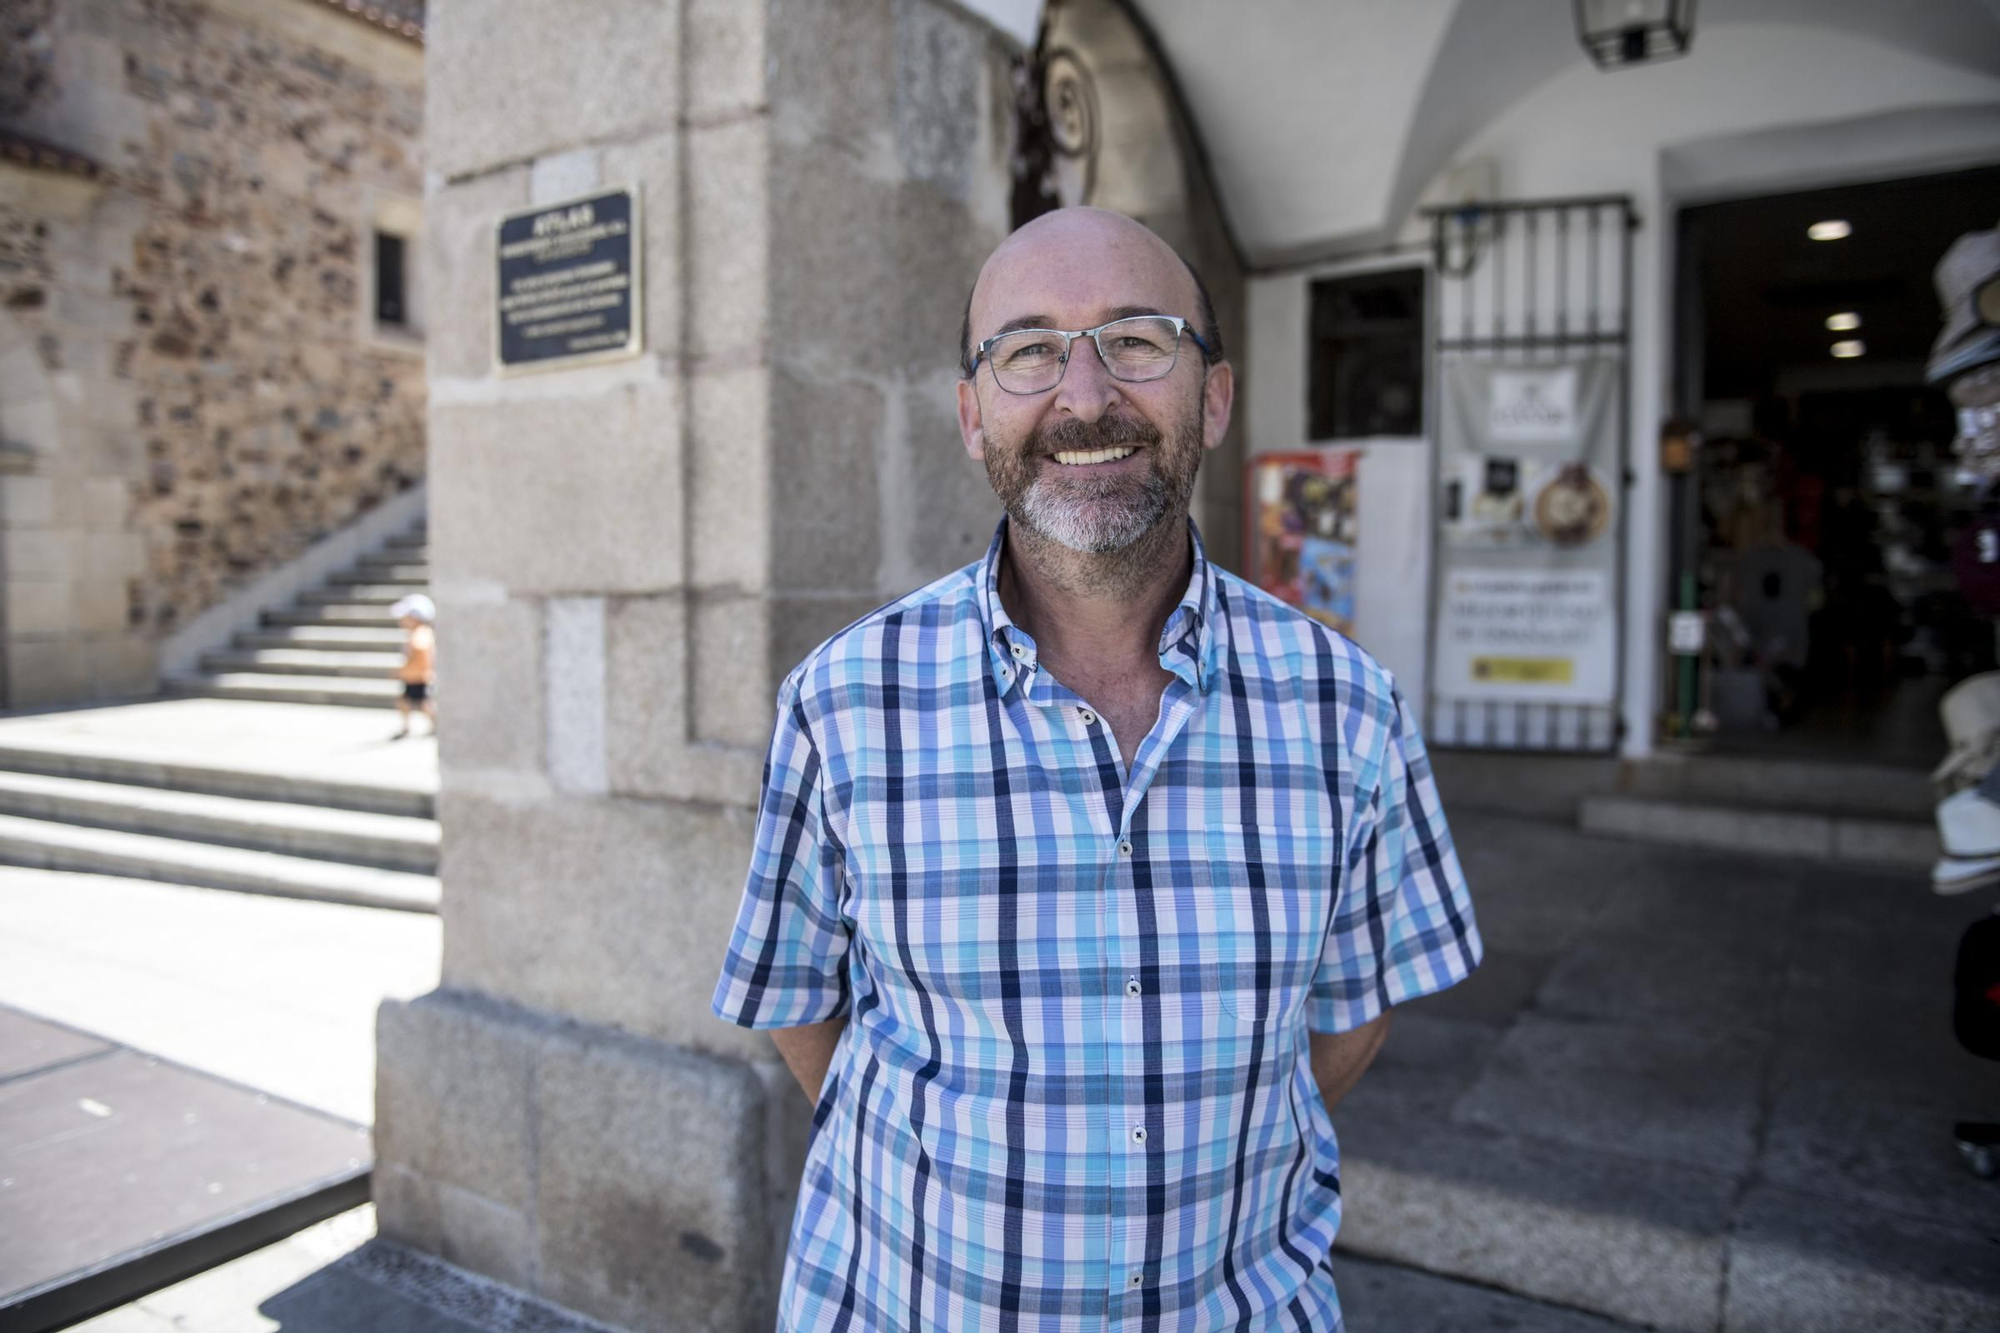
pixel 1516 636
pixel 569 286
pixel 1299 529
pixel 1528 517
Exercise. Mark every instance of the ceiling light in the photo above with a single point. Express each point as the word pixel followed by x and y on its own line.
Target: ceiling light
pixel 1845 322
pixel 1834 229
pixel 1848 347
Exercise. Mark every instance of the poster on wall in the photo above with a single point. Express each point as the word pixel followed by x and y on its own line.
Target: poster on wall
pixel 1299 530
pixel 1527 511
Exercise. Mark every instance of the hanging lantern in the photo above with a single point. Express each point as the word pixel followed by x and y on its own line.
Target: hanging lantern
pixel 1618 33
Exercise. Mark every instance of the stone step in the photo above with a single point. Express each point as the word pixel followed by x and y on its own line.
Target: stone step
pixel 1656 1245
pixel 402 575
pixel 343 614
pixel 343 662
pixel 411 546
pixel 388 842
pixel 54 846
pixel 1876 791
pixel 322 638
pixel 213 781
pixel 1833 836
pixel 286 689
pixel 354 594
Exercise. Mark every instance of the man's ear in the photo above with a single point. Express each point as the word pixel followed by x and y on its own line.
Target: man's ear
pixel 1218 399
pixel 970 424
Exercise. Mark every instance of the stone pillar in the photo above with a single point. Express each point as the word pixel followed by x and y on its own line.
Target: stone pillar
pixel 627 558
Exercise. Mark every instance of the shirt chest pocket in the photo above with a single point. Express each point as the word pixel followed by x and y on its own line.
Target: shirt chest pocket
pixel 1265 895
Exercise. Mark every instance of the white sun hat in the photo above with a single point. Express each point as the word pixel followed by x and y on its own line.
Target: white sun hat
pixel 416 604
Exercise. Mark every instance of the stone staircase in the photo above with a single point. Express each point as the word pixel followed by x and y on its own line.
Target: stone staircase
pixel 255 832
pixel 337 644
pixel 198 794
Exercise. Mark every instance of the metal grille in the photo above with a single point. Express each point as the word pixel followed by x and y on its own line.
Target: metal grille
pixel 1534 283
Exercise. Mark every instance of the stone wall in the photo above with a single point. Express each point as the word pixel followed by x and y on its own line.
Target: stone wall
pixel 213 395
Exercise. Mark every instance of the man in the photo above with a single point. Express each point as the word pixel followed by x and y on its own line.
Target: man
pixel 1085 876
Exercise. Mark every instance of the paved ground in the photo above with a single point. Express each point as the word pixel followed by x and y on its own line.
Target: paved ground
pixel 294 740
pixel 275 993
pixel 1686 1091
pixel 1690 1090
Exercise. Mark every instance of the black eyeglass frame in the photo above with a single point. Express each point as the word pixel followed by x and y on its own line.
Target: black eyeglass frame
pixel 1181 326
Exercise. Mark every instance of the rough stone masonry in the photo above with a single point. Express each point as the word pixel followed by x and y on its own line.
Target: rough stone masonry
pixel 192 383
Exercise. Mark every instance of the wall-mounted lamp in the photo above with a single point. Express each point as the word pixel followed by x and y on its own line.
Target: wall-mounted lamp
pixel 1618 33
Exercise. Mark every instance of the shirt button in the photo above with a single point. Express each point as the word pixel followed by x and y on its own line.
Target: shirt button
pixel 1136 1280
pixel 1125 847
pixel 1132 986
pixel 1020 653
pixel 1085 716
pixel 1138 1133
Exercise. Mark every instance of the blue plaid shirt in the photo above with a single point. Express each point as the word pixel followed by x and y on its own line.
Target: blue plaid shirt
pixel 1074 1089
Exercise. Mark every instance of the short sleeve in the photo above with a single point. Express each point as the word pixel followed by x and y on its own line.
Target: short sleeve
pixel 1403 924
pixel 787 959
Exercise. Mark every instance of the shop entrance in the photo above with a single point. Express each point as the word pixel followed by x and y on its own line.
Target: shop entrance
pixel 1814 526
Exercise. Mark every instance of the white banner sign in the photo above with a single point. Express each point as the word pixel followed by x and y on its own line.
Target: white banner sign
pixel 1527 636
pixel 1528 512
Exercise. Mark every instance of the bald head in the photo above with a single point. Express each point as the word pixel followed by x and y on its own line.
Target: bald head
pixel 1082 257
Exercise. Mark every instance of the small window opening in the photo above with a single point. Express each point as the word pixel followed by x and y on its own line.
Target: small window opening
pixel 1366 372
pixel 391 308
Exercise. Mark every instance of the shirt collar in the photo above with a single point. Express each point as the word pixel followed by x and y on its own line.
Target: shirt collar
pixel 1191 641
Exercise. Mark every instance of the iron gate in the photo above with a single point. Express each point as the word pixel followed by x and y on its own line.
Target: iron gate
pixel 1532 284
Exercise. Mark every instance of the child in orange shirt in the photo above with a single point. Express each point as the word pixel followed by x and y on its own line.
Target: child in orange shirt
pixel 419 669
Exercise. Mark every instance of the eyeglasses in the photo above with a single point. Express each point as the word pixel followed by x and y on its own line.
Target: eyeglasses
pixel 1141 348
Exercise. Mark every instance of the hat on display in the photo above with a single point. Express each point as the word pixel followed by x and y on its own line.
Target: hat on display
pixel 416 604
pixel 1970 711
pixel 1968 287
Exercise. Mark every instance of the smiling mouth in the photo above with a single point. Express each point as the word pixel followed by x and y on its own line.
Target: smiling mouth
pixel 1085 457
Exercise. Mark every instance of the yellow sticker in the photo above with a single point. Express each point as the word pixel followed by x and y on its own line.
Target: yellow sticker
pixel 1525 670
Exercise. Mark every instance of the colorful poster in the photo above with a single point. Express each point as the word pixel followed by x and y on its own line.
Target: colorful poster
pixel 1300 531
pixel 1527 508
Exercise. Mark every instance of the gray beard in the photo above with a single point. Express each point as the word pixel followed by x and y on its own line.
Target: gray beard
pixel 1094 524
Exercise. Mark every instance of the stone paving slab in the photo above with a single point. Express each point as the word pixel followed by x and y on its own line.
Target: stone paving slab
pixel 1812 1262
pixel 1384 1298
pixel 1617 1235
pixel 1656 1092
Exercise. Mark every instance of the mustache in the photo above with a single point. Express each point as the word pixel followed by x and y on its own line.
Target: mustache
pixel 1103 433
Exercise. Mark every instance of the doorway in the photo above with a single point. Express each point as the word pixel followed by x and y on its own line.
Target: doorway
pixel 1814 525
